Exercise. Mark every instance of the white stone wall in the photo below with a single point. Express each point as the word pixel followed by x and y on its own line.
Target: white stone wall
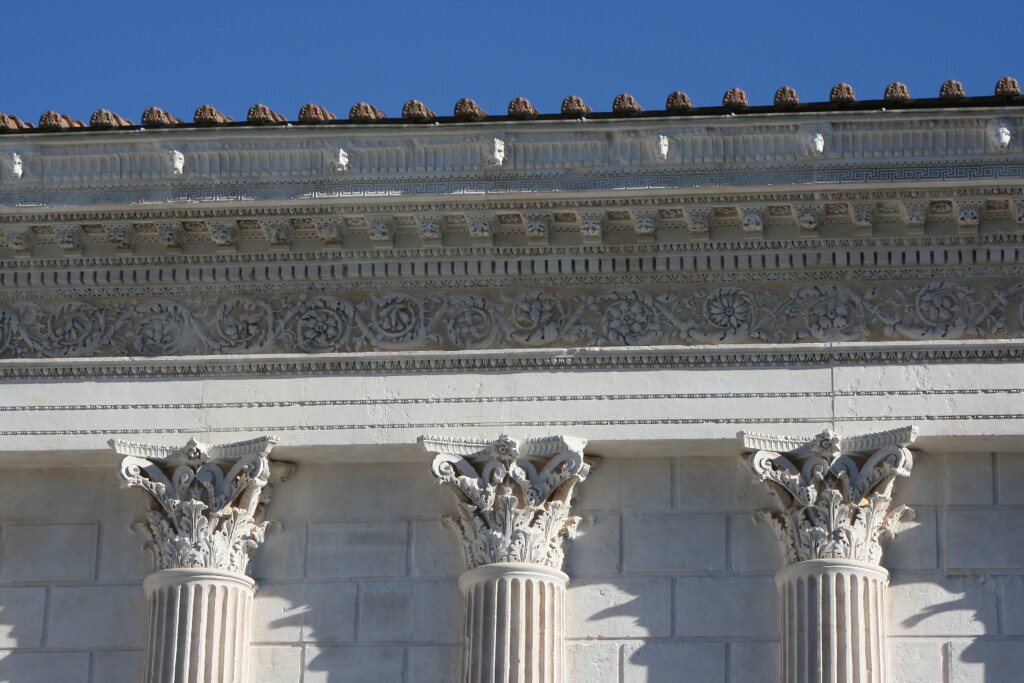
pixel 671 573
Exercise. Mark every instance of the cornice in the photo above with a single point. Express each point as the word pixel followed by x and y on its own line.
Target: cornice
pixel 241 165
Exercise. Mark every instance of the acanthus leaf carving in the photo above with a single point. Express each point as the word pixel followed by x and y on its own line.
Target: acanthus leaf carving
pixel 623 316
pixel 206 500
pixel 514 496
pixel 833 494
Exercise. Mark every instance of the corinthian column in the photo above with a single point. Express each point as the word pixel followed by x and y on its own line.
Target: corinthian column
pixel 833 518
pixel 202 529
pixel 513 517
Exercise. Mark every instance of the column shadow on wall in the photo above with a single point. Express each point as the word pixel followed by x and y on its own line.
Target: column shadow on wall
pixel 318 641
pixel 969 608
pixel 642 657
pixel 21 628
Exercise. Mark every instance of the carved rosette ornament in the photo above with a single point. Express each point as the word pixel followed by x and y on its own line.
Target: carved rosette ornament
pixel 833 519
pixel 203 529
pixel 513 518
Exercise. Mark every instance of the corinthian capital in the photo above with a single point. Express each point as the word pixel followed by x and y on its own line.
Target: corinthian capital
pixel 206 500
pixel 513 495
pixel 834 493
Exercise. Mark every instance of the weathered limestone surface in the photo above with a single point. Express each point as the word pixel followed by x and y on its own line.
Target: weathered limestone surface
pixel 650 285
pixel 515 623
pixel 202 531
pixel 514 502
pixel 669 570
pixel 200 626
pixel 832 518
pixel 834 615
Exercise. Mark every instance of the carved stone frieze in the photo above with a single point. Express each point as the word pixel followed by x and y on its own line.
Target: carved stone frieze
pixel 625 316
pixel 206 500
pixel 513 495
pixel 833 493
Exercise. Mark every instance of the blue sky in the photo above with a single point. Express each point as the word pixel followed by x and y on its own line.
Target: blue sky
pixel 78 56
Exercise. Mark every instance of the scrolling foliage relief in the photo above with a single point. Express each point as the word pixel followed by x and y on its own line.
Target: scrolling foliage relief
pixel 624 316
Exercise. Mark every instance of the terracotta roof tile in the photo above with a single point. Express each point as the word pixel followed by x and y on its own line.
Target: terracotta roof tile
pixel 952 93
pixel 104 118
pixel 51 120
pixel 842 93
pixel 520 108
pixel 678 103
pixel 364 113
pixel 952 90
pixel 735 98
pixel 1007 87
pixel 897 92
pixel 314 113
pixel 626 104
pixel 468 110
pixel 786 97
pixel 573 105
pixel 206 115
pixel 261 114
pixel 414 110
pixel 11 122
pixel 155 116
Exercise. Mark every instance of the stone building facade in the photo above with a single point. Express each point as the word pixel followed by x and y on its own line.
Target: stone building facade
pixel 704 394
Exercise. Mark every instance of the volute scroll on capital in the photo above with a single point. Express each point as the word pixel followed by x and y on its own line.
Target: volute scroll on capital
pixel 834 493
pixel 514 496
pixel 207 499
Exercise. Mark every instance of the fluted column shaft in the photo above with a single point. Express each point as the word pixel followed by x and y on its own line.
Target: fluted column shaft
pixel 515 628
pixel 199 628
pixel 833 622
